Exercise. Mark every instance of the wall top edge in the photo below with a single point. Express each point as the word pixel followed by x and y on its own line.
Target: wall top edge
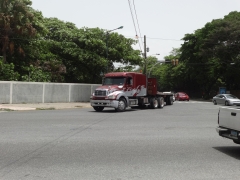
pixel 46 83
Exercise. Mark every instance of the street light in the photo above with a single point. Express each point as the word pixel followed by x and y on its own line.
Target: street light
pixel 154 54
pixel 107 34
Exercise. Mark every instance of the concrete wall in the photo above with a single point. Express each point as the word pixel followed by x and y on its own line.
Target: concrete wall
pixel 12 92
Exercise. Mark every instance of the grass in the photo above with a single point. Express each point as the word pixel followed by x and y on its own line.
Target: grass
pixel 79 106
pixel 5 109
pixel 50 108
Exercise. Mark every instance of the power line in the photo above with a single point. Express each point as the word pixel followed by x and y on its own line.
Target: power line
pixel 134 22
pixel 137 21
pixel 166 39
pixel 160 38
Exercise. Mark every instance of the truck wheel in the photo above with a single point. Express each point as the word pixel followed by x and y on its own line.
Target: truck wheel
pixel 226 103
pixel 214 102
pixel 236 141
pixel 141 103
pixel 98 108
pixel 121 105
pixel 169 101
pixel 143 106
pixel 153 103
pixel 160 102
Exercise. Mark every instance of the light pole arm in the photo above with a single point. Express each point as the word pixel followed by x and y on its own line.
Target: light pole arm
pixel 107 36
pixel 115 29
pixel 153 67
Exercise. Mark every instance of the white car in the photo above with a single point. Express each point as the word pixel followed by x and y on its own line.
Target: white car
pixel 226 99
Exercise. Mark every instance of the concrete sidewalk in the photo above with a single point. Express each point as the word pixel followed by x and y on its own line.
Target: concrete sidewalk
pixel 43 106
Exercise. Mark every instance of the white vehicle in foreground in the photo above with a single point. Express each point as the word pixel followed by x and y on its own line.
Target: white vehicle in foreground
pixel 229 123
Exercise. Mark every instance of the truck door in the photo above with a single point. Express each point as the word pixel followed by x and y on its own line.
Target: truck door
pixel 128 86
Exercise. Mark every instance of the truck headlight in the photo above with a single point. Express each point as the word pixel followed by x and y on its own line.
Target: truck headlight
pixel 111 97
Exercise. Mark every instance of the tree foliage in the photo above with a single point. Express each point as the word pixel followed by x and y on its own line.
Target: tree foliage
pixel 83 51
pixel 56 51
pixel 15 23
pixel 209 53
pixel 7 72
pixel 209 58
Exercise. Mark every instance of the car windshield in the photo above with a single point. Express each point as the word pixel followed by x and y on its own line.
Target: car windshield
pixel 182 94
pixel 230 96
pixel 114 81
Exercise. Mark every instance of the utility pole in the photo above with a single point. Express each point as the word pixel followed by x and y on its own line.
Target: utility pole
pixel 145 56
pixel 107 35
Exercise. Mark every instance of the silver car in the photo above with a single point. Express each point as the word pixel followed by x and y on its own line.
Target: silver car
pixel 226 99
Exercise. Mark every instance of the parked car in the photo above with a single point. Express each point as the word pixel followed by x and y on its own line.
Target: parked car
pixel 181 96
pixel 226 99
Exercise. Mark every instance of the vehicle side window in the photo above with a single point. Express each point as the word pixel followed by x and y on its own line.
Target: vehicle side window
pixel 221 96
pixel 129 81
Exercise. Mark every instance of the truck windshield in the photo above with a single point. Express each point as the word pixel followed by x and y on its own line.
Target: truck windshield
pixel 114 81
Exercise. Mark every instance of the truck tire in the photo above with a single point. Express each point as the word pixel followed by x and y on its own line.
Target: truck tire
pixel 141 103
pixel 236 141
pixel 169 101
pixel 98 108
pixel 160 102
pixel 153 103
pixel 121 105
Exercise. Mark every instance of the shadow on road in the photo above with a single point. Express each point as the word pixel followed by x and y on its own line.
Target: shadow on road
pixel 232 151
pixel 111 110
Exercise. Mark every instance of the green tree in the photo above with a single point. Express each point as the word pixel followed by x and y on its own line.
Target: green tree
pixel 15 23
pixel 37 54
pixel 83 51
pixel 168 75
pixel 7 72
pixel 209 52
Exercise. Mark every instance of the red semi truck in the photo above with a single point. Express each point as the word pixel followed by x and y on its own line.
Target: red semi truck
pixel 127 89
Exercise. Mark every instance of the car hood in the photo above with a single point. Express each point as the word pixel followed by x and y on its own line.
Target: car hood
pixel 234 100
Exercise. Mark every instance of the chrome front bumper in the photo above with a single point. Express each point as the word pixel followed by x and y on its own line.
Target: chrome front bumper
pixel 218 129
pixel 236 103
pixel 227 133
pixel 104 103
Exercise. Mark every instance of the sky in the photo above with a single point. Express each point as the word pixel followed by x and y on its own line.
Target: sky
pixel 163 22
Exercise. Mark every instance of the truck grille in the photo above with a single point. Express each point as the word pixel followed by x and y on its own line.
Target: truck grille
pixel 100 93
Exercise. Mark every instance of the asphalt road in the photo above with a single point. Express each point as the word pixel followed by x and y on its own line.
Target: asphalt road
pixel 176 142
